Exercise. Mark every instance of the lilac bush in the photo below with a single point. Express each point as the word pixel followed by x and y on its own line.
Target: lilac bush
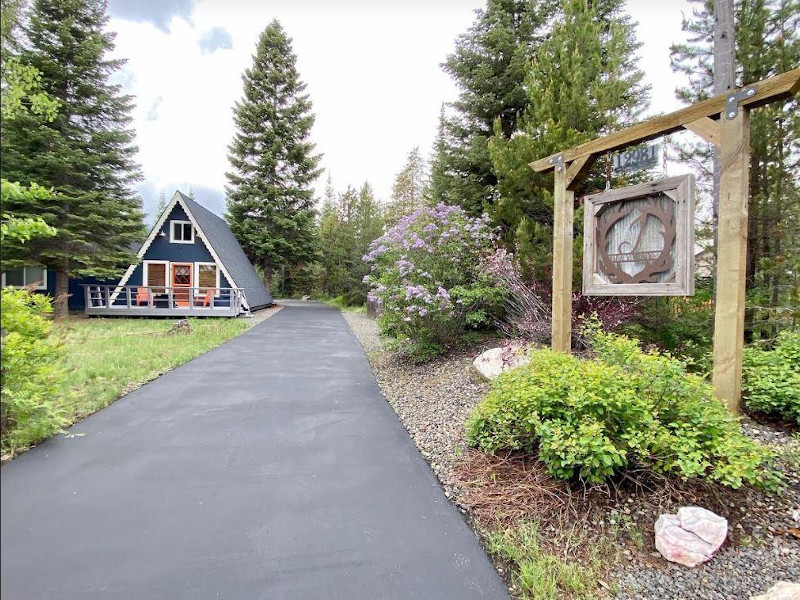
pixel 429 275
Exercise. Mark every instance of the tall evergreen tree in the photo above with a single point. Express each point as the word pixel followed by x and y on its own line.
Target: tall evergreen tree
pixel 85 153
pixel 410 187
pixel 582 82
pixel 348 223
pixel 488 65
pixel 273 164
pixel 766 43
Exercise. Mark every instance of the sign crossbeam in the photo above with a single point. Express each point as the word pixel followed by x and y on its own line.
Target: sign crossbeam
pixel 769 90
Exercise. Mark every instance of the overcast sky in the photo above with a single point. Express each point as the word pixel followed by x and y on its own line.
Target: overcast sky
pixel 372 70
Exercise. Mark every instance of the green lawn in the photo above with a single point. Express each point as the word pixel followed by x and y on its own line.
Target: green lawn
pixel 107 358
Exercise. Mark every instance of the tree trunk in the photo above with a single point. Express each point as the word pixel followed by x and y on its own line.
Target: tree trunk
pixel 723 82
pixel 267 266
pixel 61 302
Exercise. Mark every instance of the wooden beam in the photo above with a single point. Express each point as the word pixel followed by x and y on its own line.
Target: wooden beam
pixel 731 260
pixel 578 169
pixel 563 209
pixel 706 128
pixel 766 91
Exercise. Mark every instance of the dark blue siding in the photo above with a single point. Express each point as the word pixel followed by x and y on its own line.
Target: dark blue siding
pixel 76 299
pixel 162 249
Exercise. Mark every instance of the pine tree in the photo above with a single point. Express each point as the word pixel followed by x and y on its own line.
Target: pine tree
pixel 489 66
pixel 410 187
pixel 86 153
pixel 582 82
pixel 766 43
pixel 273 165
pixel 348 223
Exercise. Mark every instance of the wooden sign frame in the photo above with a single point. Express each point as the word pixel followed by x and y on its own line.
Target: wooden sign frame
pixel 723 121
pixel 680 190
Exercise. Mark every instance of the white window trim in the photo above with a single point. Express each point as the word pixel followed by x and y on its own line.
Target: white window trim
pixel 172 239
pixel 197 266
pixel 146 275
pixel 43 285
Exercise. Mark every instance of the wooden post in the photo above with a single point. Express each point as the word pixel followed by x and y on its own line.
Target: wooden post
pixel 731 255
pixel 563 209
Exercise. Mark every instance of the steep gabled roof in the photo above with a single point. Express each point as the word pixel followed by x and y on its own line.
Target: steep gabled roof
pixel 218 234
pixel 221 243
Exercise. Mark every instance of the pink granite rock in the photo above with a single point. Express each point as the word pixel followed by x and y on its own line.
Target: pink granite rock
pixel 783 590
pixel 691 537
pixel 498 360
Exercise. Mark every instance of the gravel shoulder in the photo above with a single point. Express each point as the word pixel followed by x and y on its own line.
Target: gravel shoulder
pixel 433 400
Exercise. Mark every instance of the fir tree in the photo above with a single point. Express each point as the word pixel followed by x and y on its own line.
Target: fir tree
pixel 410 187
pixel 85 153
pixel 766 43
pixel 488 65
pixel 348 223
pixel 273 165
pixel 582 82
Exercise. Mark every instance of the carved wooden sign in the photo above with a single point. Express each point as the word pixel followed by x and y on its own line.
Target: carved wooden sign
pixel 639 240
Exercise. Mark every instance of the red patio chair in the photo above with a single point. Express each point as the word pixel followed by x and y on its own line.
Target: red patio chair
pixel 143 295
pixel 207 299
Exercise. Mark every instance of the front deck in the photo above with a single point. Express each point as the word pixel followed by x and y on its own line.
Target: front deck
pixel 143 301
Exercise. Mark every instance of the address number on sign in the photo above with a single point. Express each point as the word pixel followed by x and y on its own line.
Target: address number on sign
pixel 635 159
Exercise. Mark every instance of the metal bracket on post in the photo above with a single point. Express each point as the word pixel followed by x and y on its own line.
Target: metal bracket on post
pixel 558 161
pixel 732 104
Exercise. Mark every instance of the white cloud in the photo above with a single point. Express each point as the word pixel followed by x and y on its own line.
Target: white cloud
pixel 372 72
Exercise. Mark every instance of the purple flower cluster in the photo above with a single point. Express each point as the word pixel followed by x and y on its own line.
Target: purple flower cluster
pixel 418 263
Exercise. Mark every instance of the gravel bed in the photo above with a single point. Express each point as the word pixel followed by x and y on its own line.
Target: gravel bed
pixel 433 400
pixel 734 574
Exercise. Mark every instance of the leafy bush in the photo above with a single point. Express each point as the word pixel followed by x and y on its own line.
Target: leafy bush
pixel 772 378
pixel 30 380
pixel 429 275
pixel 624 410
pixel 682 326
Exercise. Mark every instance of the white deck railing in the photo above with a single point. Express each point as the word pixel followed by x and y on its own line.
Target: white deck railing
pixel 138 300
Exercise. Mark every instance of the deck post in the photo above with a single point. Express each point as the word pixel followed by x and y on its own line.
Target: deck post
pixel 128 294
pixel 563 209
pixel 731 258
pixel 169 297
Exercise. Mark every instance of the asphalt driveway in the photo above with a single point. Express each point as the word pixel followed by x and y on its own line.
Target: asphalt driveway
pixel 268 468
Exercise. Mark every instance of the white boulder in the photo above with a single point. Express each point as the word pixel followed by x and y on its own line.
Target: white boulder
pixel 691 537
pixel 498 360
pixel 783 590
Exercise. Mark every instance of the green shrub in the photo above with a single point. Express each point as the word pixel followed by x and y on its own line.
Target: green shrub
pixel 772 378
pixel 624 410
pixel 29 378
pixel 680 325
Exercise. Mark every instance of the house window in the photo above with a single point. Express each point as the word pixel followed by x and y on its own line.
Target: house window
pixel 155 275
pixel 207 277
pixel 181 232
pixel 29 277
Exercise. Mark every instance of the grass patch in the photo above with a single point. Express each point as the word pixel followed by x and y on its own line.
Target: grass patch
pixel 107 358
pixel 340 303
pixel 539 574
